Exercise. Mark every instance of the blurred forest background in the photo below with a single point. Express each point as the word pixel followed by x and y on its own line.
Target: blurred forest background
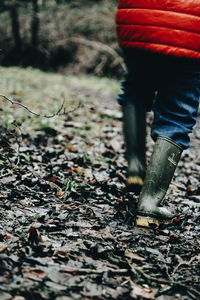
pixel 68 36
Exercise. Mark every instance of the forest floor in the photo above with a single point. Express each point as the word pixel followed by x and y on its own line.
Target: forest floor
pixel 65 231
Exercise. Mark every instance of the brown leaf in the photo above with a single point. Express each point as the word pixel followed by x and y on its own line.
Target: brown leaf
pixel 34 235
pixel 3 247
pixel 145 293
pixel 8 179
pixel 60 194
pixel 134 256
pixel 71 148
pixel 7 237
pixel 115 145
pixel 33 272
pixel 53 179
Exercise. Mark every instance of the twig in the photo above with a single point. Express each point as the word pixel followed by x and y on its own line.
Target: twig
pixel 99 46
pixel 166 266
pixel 191 295
pixel 171 283
pixel 111 272
pixel 188 263
pixel 133 271
pixel 61 111
pixel 4 175
pixel 18 142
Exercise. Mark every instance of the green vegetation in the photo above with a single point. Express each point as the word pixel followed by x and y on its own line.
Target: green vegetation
pixel 44 93
pixel 67 36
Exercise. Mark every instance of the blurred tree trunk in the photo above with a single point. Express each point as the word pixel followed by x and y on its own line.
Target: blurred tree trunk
pixel 15 25
pixel 35 23
pixel 2 5
pixel 44 3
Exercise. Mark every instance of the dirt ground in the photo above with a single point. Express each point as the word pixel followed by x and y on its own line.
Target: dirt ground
pixel 65 230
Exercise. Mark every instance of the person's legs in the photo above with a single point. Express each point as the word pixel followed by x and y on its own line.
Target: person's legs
pixel 176 105
pixel 138 95
pixel 175 111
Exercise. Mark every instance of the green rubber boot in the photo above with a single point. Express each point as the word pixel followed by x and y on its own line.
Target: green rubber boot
pixel 165 157
pixel 134 128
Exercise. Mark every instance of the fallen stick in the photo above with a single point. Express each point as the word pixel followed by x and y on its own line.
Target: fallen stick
pixel 61 111
pixel 130 272
pixel 162 281
pixel 122 272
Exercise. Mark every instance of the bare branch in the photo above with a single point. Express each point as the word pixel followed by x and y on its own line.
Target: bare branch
pixel 61 111
pixel 168 282
pixel 99 46
pixel 78 271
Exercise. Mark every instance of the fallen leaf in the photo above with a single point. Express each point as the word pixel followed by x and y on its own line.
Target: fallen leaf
pixel 3 247
pixel 138 291
pixel 34 235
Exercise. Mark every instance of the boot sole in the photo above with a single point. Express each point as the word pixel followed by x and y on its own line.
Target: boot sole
pixel 151 222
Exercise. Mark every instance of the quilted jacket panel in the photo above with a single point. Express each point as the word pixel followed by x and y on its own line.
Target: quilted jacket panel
pixel 166 26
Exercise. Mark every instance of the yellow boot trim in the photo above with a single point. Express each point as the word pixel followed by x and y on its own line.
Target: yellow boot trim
pixel 135 180
pixel 145 221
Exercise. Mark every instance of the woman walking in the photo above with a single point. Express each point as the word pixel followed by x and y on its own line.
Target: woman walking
pixel 161 47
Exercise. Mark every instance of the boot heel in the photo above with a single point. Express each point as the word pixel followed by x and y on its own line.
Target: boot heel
pixel 151 222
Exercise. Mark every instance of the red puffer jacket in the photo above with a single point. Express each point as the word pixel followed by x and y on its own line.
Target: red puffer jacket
pixel 170 27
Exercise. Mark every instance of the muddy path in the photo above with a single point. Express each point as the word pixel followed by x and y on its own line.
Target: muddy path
pixel 63 228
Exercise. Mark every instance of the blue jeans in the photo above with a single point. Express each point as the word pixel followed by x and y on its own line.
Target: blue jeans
pixel 169 86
